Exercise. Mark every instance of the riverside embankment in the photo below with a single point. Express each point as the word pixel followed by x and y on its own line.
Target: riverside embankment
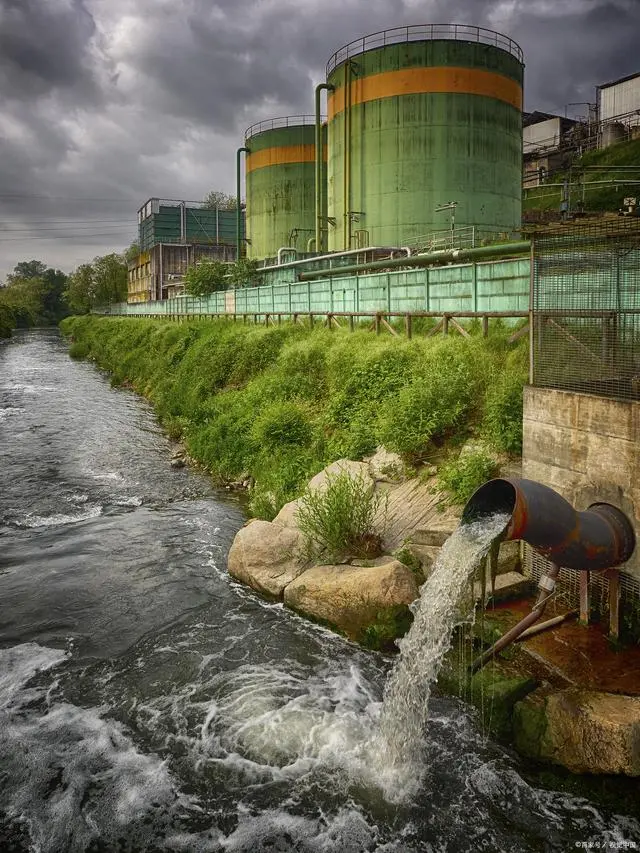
pixel 273 406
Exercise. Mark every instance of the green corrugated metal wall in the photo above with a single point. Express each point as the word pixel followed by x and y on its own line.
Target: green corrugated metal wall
pixel 491 286
pixel 412 152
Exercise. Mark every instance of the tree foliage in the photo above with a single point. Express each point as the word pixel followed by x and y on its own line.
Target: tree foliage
pixel 32 295
pixel 101 282
pixel 206 277
pixel 132 252
pixel 26 270
pixel 210 275
pixel 245 273
pixel 221 200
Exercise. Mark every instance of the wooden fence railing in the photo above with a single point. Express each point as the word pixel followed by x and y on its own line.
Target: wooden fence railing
pixel 379 320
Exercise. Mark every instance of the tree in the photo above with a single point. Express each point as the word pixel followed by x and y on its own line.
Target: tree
pixel 79 294
pixel 36 281
pixel 101 282
pixel 23 297
pixel 132 253
pixel 206 277
pixel 245 273
pixel 26 270
pixel 53 304
pixel 215 198
pixel 110 278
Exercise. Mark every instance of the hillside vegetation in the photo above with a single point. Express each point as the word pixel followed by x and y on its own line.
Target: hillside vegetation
pixel 596 197
pixel 277 404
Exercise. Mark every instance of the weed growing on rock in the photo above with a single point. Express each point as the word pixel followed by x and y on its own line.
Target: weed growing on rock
pixel 337 520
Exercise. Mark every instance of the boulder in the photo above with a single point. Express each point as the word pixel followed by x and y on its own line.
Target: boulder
pixel 266 557
pixel 353 599
pixel 386 466
pixel 354 469
pixel 287 515
pixel 584 731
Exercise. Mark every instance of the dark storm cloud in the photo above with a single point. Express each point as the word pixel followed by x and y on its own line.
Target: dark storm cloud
pixel 44 46
pixel 115 101
pixel 215 63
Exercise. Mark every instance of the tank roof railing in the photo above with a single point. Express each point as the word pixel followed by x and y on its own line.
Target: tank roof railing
pixel 281 121
pixel 425 32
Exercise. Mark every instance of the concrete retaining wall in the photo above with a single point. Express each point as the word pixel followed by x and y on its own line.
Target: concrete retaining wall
pixel 586 448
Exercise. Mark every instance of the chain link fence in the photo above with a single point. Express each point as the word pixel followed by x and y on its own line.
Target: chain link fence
pixel 586 303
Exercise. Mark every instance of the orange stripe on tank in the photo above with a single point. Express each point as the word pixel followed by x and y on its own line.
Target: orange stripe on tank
pixel 281 155
pixel 416 81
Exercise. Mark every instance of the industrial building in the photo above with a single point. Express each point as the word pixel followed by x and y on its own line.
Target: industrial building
pixel 619 102
pixel 545 141
pixel 424 147
pixel 423 134
pixel 173 235
pixel 419 118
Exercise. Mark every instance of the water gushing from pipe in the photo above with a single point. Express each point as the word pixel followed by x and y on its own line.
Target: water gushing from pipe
pixel 439 609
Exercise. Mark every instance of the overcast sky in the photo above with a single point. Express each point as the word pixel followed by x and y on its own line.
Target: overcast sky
pixel 106 103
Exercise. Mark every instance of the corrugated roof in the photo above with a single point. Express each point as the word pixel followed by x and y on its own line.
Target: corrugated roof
pixel 621 80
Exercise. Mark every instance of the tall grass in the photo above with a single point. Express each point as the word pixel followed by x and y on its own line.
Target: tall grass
pixel 277 404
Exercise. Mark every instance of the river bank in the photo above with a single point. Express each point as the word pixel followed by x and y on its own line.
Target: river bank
pixel 273 406
pixel 242 398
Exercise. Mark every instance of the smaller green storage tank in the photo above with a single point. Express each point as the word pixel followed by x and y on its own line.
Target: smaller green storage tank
pixel 280 184
pixel 168 221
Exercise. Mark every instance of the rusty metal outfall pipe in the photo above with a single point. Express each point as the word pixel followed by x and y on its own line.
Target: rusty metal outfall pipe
pixel 600 537
pixel 597 538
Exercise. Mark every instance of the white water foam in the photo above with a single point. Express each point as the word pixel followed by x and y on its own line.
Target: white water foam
pixel 57 757
pixel 8 411
pixel 59 518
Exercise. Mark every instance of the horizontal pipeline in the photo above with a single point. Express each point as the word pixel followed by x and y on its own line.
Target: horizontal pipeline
pixel 520 247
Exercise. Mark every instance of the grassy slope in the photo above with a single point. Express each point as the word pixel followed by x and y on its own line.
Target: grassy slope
pixel 605 198
pixel 279 403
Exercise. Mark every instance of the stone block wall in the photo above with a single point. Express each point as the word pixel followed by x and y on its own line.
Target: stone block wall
pixel 587 448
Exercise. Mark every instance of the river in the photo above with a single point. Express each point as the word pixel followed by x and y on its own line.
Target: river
pixel 150 703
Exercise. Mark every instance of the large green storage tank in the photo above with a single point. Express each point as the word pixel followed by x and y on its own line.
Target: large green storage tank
pixel 280 184
pixel 420 117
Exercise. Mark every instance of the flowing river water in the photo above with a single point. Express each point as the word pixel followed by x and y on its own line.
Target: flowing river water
pixel 149 703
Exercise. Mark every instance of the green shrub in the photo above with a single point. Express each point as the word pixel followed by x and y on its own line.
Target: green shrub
pixel 281 424
pixel 439 396
pixel 502 419
pixel 339 518
pixel 467 473
pixel 79 349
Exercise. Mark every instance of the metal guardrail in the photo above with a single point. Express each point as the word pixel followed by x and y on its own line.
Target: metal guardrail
pixel 280 121
pixel 424 32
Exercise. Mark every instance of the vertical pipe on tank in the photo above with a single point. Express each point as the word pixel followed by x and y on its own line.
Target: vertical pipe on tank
pixel 238 194
pixel 318 241
pixel 346 175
